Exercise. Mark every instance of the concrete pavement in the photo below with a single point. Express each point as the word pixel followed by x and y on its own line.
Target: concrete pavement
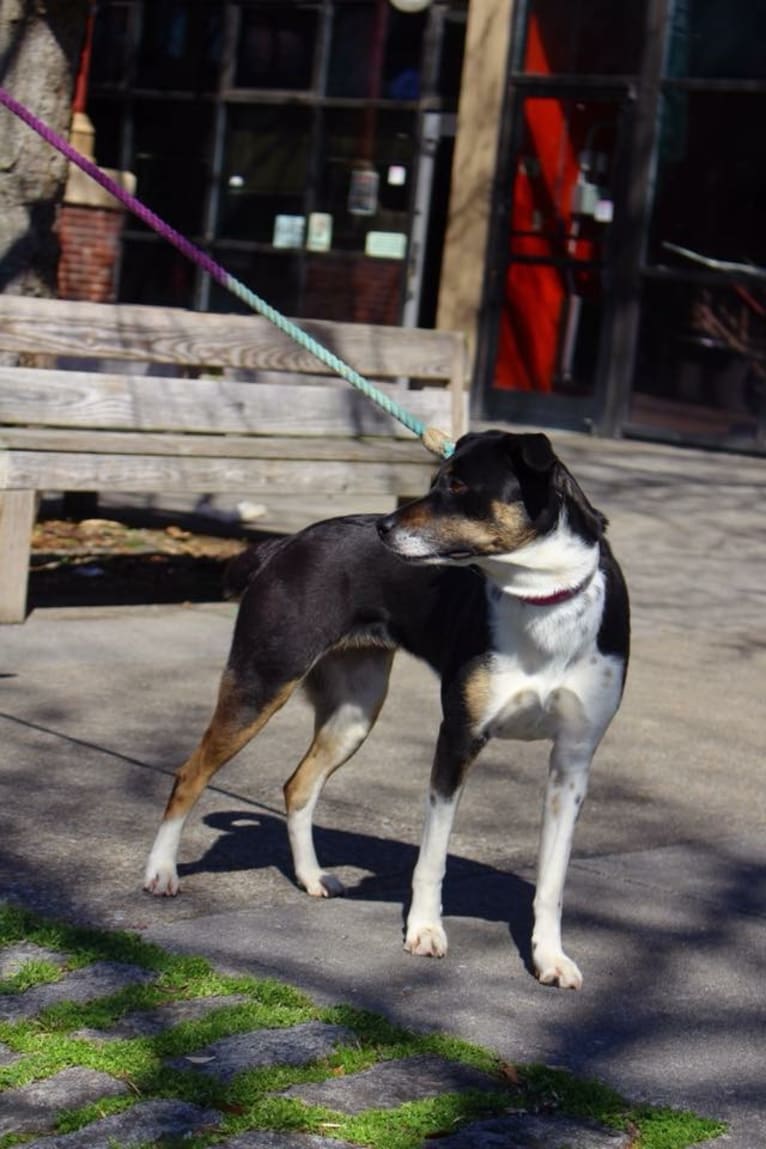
pixel 665 899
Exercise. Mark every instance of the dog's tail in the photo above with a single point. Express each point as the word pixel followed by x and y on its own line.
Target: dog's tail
pixel 243 567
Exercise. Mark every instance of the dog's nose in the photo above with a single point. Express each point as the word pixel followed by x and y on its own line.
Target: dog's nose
pixel 385 524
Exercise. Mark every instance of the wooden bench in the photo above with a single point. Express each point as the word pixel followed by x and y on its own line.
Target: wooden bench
pixel 124 398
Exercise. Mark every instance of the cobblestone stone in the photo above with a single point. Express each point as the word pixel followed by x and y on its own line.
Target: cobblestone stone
pixel 531 1131
pixel 34 1108
pixel 146 1121
pixel 266 1139
pixel 298 1045
pixel 148 1023
pixel 101 979
pixel 14 957
pixel 391 1083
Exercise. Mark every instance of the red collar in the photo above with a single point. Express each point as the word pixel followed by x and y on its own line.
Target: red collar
pixel 557 596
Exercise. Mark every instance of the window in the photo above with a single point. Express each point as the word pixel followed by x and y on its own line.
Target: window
pixel 600 37
pixel 171 142
pixel 711 183
pixel 283 135
pixel 276 46
pixel 266 167
pixel 715 39
pixel 376 53
pixel 180 45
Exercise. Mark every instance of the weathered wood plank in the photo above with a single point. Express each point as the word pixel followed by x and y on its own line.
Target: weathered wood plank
pixel 141 403
pixel 165 335
pixel 215 446
pixel 17 516
pixel 43 470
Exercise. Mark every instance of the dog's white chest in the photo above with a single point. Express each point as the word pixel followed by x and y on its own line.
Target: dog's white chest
pixel 520 705
pixel 546 673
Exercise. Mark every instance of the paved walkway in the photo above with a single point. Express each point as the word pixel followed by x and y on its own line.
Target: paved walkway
pixel 665 899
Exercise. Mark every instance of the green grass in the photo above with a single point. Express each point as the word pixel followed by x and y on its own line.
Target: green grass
pixel 48 1043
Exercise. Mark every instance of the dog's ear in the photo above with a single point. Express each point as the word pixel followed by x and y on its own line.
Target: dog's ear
pixel 536 452
pixel 583 516
pixel 533 461
pixel 469 437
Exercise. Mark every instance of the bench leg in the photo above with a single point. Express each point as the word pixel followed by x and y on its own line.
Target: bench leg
pixel 17 518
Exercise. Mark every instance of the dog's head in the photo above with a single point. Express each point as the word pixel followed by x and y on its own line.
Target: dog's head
pixel 497 493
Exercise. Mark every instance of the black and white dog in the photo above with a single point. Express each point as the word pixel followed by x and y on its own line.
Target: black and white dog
pixel 502 580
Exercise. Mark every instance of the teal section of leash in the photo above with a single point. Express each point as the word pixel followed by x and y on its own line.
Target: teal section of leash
pixel 390 406
pixel 434 440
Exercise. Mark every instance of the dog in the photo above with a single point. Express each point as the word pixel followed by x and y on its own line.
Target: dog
pixel 502 580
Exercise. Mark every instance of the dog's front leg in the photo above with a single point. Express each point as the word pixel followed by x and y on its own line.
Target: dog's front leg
pixel 425 933
pixel 564 795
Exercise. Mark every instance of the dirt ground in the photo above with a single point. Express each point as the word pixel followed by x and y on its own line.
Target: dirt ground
pixel 105 562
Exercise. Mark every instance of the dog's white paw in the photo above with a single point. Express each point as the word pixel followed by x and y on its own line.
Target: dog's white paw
pixel 426 941
pixel 555 968
pixel 323 885
pixel 161 880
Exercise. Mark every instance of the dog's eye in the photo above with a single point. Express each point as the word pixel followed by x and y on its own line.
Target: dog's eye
pixel 456 486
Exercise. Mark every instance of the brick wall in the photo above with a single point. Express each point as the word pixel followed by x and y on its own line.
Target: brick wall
pixel 355 290
pixel 89 238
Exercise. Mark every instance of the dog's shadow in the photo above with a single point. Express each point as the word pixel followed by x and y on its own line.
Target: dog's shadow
pixel 249 841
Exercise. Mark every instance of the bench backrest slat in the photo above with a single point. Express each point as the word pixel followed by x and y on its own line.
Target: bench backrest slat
pixel 66 328
pixel 32 396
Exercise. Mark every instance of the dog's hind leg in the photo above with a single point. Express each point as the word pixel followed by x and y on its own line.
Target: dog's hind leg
pixel 348 689
pixel 238 717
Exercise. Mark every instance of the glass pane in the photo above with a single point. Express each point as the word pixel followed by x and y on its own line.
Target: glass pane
pixel 711 183
pixel 110 44
pixel 266 166
pixel 275 276
pixel 718 38
pixel 701 368
pixel 565 173
pixel 155 273
pixel 368 166
pixel 376 52
pixel 180 45
pixel 106 117
pixel 276 46
pixel 171 141
pixel 561 213
pixel 451 61
pixel 600 37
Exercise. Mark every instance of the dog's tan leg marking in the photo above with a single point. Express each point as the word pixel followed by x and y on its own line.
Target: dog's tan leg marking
pixel 348 689
pixel 231 728
pixel 477 692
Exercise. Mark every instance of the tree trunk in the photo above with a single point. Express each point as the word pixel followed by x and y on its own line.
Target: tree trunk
pixel 40 45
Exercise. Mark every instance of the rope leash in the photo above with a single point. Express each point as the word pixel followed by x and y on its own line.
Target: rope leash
pixel 434 440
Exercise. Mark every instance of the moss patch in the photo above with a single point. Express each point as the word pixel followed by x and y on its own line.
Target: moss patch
pixel 47 1043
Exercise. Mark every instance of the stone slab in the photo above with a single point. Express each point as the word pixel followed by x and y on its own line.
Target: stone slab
pixel 35 1107
pixel 142 1123
pixel 267 1139
pixel 14 957
pixel 392 1083
pixel 149 1022
pixel 297 1045
pixel 532 1131
pixel 101 979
